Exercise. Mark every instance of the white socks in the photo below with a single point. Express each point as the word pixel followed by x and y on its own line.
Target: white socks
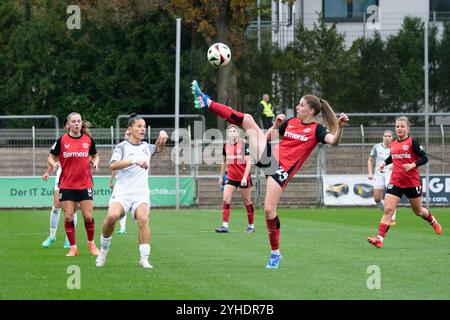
pixel 381 205
pixel 105 242
pixel 123 222
pixel 54 220
pixel 225 224
pixel 144 250
pixel 276 252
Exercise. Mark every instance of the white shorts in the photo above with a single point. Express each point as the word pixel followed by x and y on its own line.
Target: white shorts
pixel 58 175
pixel 381 180
pixel 130 202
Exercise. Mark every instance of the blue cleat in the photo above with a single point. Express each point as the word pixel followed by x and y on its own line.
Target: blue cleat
pixel 67 244
pixel 274 261
pixel 200 99
pixel 48 242
pixel 222 229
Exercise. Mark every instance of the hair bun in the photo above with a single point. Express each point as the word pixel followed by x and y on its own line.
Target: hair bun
pixel 133 115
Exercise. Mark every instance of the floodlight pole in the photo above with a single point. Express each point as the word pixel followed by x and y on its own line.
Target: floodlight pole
pixel 427 107
pixel 177 114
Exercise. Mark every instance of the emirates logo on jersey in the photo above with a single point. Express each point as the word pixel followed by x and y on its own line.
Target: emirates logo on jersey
pixel 405 147
pixel 307 130
pixel 85 145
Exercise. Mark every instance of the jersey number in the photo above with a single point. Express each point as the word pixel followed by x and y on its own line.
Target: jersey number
pixel 282 175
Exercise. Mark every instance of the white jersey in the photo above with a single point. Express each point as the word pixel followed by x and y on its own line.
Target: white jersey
pixel 58 175
pixel 380 153
pixel 133 178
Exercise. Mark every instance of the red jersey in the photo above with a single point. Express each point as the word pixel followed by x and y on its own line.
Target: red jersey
pixel 74 155
pixel 297 142
pixel 404 152
pixel 235 158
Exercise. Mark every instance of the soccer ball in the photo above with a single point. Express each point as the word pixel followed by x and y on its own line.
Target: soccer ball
pixel 219 54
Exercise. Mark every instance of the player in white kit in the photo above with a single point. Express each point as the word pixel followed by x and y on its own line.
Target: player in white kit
pixel 379 153
pixel 131 161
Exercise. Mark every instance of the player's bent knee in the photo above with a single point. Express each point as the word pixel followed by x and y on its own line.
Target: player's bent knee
pixel 270 213
pixel 389 211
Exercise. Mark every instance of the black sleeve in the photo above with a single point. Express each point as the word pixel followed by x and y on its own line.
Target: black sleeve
pixel 418 151
pixel 321 132
pixel 246 151
pixel 224 153
pixel 56 148
pixel 388 160
pixel 282 127
pixel 92 149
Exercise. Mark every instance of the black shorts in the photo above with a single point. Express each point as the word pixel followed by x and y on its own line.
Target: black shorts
pixel 237 184
pixel 273 169
pixel 75 195
pixel 410 193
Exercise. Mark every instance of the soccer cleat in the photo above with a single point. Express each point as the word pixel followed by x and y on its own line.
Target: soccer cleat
pixel 73 251
pixel 375 241
pixel 66 244
pixel 121 232
pixel 222 229
pixel 250 230
pixel 436 226
pixel 200 99
pixel 145 264
pixel 101 258
pixel 93 248
pixel 48 242
pixel 274 261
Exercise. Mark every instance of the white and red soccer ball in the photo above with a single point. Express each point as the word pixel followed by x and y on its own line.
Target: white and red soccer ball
pixel 219 54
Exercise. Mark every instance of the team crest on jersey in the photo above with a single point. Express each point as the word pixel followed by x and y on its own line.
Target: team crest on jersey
pixel 85 145
pixel 145 151
pixel 405 147
pixel 307 130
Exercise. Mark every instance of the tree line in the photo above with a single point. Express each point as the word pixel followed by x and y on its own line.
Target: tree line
pixel 123 60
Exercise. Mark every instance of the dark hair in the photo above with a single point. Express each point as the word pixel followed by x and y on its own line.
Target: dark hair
pixel 132 118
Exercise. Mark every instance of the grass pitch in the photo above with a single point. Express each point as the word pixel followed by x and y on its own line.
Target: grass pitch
pixel 325 256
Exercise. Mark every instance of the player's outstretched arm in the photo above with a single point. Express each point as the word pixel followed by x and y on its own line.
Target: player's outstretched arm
pixel 272 132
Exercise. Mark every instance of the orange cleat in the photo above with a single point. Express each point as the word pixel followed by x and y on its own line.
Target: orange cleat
pixel 375 241
pixel 436 226
pixel 73 251
pixel 93 249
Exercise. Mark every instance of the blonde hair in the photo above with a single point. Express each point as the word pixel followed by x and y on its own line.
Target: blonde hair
pixel 320 105
pixel 403 118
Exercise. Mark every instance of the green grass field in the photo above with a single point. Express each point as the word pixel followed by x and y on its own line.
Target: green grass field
pixel 325 256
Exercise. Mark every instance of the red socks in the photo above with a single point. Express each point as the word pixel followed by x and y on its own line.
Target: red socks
pixel 250 213
pixel 90 227
pixel 232 116
pixel 430 218
pixel 273 227
pixel 225 212
pixel 70 231
pixel 383 229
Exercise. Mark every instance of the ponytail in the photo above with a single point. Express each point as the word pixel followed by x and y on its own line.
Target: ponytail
pixel 328 116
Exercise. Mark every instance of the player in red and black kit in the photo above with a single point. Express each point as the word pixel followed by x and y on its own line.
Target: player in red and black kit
pixel 299 137
pixel 74 152
pixel 236 157
pixel 406 156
